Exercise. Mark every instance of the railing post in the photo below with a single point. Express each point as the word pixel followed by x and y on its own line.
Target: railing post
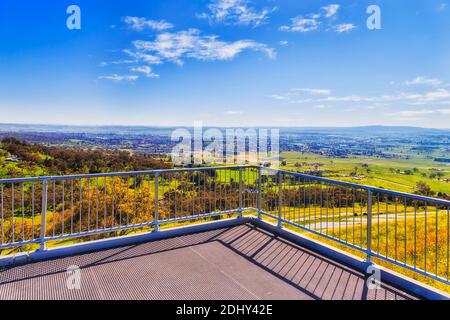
pixel 240 193
pixel 280 197
pixel 369 227
pixel 43 215
pixel 258 201
pixel 156 218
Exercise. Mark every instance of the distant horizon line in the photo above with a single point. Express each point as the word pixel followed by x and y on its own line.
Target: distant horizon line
pixel 213 126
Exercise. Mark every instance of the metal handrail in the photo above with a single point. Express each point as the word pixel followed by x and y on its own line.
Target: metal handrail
pixel 222 197
pixel 117 174
pixel 146 172
pixel 361 186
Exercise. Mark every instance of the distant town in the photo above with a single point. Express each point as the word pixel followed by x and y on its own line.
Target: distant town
pixel 375 141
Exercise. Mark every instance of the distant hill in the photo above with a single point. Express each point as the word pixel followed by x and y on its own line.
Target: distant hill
pixel 166 131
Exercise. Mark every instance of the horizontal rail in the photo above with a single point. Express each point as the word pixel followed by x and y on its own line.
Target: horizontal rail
pixel 274 171
pixel 365 187
pixel 117 174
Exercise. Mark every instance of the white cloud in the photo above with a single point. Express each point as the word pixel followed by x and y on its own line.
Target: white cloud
pixel 124 61
pixel 444 111
pixel 410 113
pixel 236 12
pixel 118 78
pixel 146 70
pixel 438 95
pixel 301 101
pixel 139 24
pixel 313 21
pixel 279 97
pixel 293 95
pixel 418 113
pixel 301 24
pixel 176 46
pixel 140 56
pixel 442 6
pixel 233 112
pixel 423 81
pixel 350 98
pixel 330 10
pixel 314 91
pixel 343 27
pixel 284 42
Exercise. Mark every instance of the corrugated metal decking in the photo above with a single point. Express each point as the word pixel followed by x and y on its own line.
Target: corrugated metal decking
pixel 237 263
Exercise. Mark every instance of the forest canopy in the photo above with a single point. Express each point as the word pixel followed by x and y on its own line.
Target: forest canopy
pixel 34 159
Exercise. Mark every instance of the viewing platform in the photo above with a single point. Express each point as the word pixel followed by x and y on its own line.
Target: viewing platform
pixel 226 233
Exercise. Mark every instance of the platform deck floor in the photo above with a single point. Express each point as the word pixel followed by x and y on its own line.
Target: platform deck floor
pixel 236 263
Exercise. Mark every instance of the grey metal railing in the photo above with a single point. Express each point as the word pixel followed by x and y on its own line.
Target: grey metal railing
pixel 407 230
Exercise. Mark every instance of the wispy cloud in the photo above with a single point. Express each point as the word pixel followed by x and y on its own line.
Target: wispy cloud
pixel 177 46
pixel 119 78
pixel 442 6
pixel 388 103
pixel 423 81
pixel 444 111
pixel 330 10
pixel 313 91
pixel 233 112
pixel 410 113
pixel 343 27
pixel 140 56
pixel 139 24
pixel 278 97
pixel 301 24
pixel 236 12
pixel 438 95
pixel 146 70
pixel 313 21
pixel 294 94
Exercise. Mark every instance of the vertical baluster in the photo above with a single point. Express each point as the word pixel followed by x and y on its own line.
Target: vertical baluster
pixel 155 221
pixel 259 195
pixel 240 193
pixel 280 197
pixel 12 213
pixel 437 242
pixel 105 200
pixel 23 210
pixel 32 209
pixel 72 205
pixel 43 215
pixel 96 203
pixel 63 207
pixel 3 215
pixel 369 226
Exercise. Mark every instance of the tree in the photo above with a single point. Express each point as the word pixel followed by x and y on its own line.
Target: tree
pixel 423 189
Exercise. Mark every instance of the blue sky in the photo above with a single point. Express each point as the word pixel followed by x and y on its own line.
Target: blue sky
pixel 225 63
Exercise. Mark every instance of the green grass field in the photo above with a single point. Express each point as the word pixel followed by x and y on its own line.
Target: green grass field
pixel 384 173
